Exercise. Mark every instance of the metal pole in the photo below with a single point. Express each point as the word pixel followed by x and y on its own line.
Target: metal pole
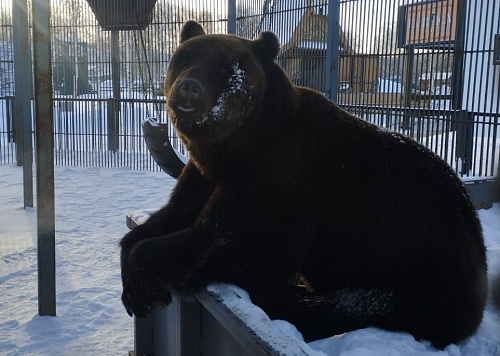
pixel 75 50
pixel 22 104
pixel 114 103
pixel 332 51
pixel 231 17
pixel 115 63
pixel 407 119
pixel 45 157
pixel 458 57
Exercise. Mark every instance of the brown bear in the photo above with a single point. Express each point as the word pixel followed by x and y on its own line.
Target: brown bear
pixel 329 222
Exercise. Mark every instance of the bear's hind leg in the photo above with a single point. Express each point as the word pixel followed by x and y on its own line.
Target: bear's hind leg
pixel 439 320
pixel 318 316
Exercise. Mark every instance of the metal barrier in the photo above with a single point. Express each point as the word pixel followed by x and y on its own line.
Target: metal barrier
pixel 215 322
pixel 7 131
pixel 425 68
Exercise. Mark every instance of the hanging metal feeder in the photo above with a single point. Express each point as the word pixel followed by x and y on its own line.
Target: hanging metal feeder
pixel 122 15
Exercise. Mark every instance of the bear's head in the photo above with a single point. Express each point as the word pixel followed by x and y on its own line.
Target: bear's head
pixel 214 83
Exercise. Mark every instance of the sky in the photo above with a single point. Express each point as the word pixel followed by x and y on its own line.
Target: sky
pixel 91 205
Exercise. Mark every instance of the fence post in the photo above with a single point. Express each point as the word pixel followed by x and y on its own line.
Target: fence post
pixel 45 157
pixel 231 17
pixel 22 104
pixel 11 123
pixel 408 73
pixel 113 122
pixel 332 51
pixel 464 126
pixel 458 57
pixel 114 104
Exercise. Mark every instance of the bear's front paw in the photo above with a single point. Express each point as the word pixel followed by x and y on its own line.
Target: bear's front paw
pixel 140 300
pixel 143 289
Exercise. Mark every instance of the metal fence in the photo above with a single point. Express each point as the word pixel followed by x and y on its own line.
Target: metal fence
pixel 429 69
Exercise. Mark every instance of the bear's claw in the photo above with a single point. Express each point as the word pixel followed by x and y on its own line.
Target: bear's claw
pixel 126 304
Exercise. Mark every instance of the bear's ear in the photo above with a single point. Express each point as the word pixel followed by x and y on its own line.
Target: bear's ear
pixel 191 29
pixel 266 46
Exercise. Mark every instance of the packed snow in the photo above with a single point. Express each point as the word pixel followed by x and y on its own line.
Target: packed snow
pixel 91 204
pixel 235 84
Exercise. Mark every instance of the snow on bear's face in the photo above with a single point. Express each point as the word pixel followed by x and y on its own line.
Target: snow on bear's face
pixel 213 83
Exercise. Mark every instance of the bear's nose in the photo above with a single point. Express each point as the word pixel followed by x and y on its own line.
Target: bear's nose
pixel 189 88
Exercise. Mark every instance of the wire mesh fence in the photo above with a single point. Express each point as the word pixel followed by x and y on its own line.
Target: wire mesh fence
pixel 428 69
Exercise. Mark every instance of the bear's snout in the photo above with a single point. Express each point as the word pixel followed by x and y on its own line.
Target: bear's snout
pixel 189 93
pixel 189 88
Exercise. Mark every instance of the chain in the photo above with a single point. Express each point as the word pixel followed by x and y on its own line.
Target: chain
pixel 271 17
pixel 151 84
pixel 141 72
pixel 267 10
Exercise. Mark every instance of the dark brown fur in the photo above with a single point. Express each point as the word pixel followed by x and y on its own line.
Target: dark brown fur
pixel 326 220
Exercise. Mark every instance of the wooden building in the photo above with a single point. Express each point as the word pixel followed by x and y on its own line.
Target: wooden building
pixel 304 56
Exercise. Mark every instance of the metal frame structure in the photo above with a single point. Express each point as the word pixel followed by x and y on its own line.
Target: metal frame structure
pixel 361 65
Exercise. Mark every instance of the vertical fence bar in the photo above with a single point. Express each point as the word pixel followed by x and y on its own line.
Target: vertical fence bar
pixel 332 52
pixel 22 104
pixel 45 157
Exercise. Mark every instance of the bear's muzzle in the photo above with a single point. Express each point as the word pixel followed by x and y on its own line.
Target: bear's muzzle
pixel 189 94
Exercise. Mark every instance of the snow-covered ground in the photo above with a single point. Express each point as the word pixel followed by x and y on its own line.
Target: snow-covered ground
pixel 91 204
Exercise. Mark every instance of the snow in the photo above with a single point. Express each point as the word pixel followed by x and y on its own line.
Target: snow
pixel 91 204
pixel 235 83
pixel 279 334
